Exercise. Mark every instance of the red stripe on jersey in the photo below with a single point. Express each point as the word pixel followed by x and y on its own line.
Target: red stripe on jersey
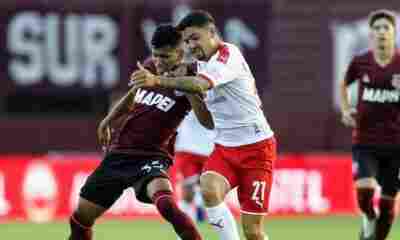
pixel 207 79
pixel 223 53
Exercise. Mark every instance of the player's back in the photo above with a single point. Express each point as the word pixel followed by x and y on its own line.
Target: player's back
pixel 192 137
pixel 378 105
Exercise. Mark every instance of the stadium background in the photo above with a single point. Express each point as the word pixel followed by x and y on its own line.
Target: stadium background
pixel 61 60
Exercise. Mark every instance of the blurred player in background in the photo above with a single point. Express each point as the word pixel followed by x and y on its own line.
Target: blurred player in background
pixel 245 148
pixel 139 154
pixel 193 145
pixel 375 119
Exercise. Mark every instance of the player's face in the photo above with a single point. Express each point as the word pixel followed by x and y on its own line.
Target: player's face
pixel 382 33
pixel 199 41
pixel 167 58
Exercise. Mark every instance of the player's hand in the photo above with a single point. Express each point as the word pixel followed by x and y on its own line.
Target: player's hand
pixel 348 117
pixel 144 77
pixel 179 71
pixel 104 133
pixel 396 83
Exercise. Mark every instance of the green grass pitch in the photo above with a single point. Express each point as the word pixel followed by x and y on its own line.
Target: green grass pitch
pixel 278 228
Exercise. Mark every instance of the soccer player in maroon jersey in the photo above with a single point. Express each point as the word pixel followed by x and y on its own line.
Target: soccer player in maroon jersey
pixel 138 155
pixel 376 124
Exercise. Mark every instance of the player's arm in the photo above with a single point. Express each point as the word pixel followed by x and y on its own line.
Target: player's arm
pixel 200 110
pixel 124 105
pixel 190 84
pixel 346 109
pixel 344 98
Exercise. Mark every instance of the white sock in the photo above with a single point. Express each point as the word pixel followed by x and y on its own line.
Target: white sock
pixel 221 219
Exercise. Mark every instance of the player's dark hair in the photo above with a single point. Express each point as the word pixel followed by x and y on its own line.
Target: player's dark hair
pixel 166 35
pixel 197 18
pixel 382 13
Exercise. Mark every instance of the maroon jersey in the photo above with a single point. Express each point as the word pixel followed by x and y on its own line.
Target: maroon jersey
pixel 378 106
pixel 148 129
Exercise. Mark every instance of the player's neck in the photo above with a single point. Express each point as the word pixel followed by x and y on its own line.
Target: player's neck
pixel 383 56
pixel 217 46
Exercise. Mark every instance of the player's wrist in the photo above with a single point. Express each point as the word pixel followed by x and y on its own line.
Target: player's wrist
pixel 157 80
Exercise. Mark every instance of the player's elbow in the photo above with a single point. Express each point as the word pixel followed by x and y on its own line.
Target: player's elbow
pixel 208 124
pixel 203 84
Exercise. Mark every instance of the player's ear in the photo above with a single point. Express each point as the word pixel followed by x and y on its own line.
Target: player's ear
pixel 212 30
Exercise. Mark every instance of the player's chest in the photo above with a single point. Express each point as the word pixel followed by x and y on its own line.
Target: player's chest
pixel 160 99
pixel 378 85
pixel 374 76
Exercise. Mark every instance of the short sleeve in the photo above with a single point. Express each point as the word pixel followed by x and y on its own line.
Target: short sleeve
pixel 351 73
pixel 221 68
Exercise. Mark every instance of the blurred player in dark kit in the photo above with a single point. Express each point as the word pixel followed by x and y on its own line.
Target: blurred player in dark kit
pixel 375 118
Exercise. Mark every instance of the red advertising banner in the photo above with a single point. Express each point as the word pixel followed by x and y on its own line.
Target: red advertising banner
pixel 44 188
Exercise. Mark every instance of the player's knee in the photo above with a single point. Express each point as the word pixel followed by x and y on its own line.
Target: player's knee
pixel 253 227
pixel 211 196
pixel 368 182
pixel 213 189
pixel 253 233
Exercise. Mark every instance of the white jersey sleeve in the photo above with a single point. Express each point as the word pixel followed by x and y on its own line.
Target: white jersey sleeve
pixel 233 99
pixel 193 137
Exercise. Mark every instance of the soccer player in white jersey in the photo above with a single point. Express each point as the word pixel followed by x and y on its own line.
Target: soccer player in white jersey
pixel 193 145
pixel 245 147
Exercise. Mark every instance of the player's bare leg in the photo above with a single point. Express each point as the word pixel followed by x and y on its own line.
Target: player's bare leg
pixel 253 226
pixel 365 193
pixel 160 191
pixel 214 188
pixel 83 218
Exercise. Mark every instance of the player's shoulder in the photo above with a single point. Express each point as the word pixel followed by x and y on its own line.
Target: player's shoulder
pixel 227 52
pixel 397 54
pixel 362 56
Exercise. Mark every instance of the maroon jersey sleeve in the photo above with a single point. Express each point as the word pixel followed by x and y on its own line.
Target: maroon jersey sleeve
pixel 351 73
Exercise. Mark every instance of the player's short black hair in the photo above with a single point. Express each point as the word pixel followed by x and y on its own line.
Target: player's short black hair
pixel 197 18
pixel 166 35
pixel 382 13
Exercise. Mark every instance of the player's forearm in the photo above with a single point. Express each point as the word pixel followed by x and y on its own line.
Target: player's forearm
pixel 188 84
pixel 124 105
pixel 201 111
pixel 344 100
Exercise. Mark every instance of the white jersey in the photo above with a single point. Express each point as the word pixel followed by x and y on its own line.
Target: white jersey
pixel 233 99
pixel 193 137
